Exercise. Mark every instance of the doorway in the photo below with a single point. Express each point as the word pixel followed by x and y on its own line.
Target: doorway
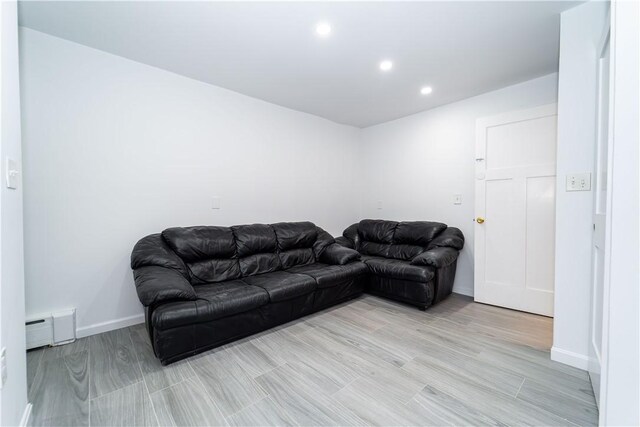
pixel 515 210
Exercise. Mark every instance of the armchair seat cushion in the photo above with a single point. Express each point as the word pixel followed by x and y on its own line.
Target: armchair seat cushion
pixel 215 301
pixel 327 276
pixel 283 285
pixel 398 269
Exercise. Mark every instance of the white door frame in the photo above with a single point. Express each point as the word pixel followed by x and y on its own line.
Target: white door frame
pixel 482 125
pixel 601 226
pixel 620 379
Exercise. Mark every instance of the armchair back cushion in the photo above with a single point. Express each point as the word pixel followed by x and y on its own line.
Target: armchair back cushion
pixel 392 239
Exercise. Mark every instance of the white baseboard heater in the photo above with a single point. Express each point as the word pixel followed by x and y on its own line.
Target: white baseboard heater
pixel 51 329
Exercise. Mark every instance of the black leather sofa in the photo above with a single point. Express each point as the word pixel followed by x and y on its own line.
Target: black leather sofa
pixel 205 286
pixel 413 262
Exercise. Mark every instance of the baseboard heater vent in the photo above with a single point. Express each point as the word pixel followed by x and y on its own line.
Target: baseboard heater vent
pixel 51 329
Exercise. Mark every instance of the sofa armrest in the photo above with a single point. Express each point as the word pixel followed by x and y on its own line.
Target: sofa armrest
pixel 451 237
pixel 343 241
pixel 437 257
pixel 160 284
pixel 338 255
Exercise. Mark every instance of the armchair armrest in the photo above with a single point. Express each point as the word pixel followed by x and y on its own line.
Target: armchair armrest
pixel 338 255
pixel 437 257
pixel 343 241
pixel 160 284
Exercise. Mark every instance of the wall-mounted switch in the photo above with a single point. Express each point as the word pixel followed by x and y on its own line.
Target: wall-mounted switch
pixel 12 174
pixel 216 203
pixel 457 199
pixel 379 205
pixel 579 182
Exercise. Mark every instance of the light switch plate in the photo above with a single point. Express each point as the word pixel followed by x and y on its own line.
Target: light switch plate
pixel 379 204
pixel 579 182
pixel 457 199
pixel 12 173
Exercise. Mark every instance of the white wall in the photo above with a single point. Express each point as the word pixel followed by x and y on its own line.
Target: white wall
pixel 620 396
pixel 115 150
pixel 580 32
pixel 13 396
pixel 416 164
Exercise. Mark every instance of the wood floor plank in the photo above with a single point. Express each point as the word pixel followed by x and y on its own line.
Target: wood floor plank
pixel 113 362
pixel 128 406
pixel 363 341
pixel 575 387
pixel 302 402
pixel 343 352
pixel 489 374
pixel 34 357
pixel 81 344
pixel 375 407
pixel 444 410
pixel 482 398
pixel 254 360
pixel 186 404
pixel 265 412
pixel 226 382
pixel 497 342
pixel 550 399
pixel 154 373
pixel 60 391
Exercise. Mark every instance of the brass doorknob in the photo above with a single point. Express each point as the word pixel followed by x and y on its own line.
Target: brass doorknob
pixel 479 220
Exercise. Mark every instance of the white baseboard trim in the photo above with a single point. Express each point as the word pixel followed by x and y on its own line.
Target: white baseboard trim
pixel 98 328
pixel 570 358
pixel 24 422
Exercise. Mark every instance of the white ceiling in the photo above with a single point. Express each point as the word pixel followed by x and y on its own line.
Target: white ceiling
pixel 269 50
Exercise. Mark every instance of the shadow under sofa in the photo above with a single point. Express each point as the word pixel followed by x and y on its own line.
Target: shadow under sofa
pixel 205 286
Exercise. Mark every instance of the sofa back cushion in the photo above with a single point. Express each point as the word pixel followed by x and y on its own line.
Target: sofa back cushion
pixel 295 243
pixel 208 252
pixel 397 240
pixel 256 248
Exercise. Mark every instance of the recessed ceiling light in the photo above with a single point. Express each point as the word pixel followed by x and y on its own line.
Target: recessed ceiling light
pixel 323 29
pixel 386 65
pixel 426 90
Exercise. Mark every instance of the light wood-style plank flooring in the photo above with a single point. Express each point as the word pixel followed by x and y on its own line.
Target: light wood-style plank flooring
pixel 366 362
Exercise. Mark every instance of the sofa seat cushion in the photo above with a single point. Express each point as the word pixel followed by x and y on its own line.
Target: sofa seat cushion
pixel 215 301
pixel 282 285
pixel 327 276
pixel 398 269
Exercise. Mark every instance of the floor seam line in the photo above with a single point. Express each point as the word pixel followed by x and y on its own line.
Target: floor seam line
pixel 519 388
pixel 144 380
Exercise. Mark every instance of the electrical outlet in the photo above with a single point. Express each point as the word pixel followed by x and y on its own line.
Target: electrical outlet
pixel 579 182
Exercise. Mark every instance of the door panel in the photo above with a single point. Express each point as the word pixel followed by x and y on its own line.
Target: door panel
pixel 516 144
pixel 515 194
pixel 503 244
pixel 541 226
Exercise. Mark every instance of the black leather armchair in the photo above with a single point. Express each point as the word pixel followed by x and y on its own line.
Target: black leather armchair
pixel 413 262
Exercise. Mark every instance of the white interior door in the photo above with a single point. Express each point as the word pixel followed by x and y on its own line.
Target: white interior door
pixel 600 198
pixel 515 209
